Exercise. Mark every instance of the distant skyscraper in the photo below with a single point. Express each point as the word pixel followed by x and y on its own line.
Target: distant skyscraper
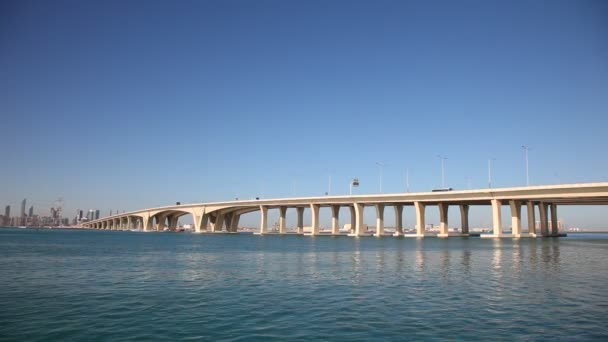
pixel 23 208
pixel 91 214
pixel 31 212
pixel 79 215
pixel 7 211
pixel 97 214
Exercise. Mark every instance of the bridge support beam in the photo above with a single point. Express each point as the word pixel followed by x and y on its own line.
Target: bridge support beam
pixel 443 220
pixel 398 219
pixel 282 220
pixel 554 221
pixel 263 219
pixel 314 227
pixel 335 217
pixel 496 218
pixel 515 217
pixel 420 219
pixel 218 225
pixel 353 219
pixel 234 222
pixel 464 219
pixel 544 228
pixel 359 225
pixel 379 219
pixel 300 212
pixel 531 218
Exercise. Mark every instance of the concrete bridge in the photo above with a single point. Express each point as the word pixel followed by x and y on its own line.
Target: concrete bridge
pixel 224 216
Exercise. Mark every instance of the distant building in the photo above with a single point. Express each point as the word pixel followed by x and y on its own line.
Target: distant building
pixel 23 208
pixel 7 211
pixel 31 211
pixel 97 214
pixel 79 215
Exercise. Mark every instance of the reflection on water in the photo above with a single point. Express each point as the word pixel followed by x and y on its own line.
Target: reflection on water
pixel 125 286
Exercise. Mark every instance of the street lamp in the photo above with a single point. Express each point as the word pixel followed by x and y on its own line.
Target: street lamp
pixel 490 172
pixel 381 165
pixel 354 182
pixel 526 149
pixel 443 158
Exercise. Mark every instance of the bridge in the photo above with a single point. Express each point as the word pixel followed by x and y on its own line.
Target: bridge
pixel 218 217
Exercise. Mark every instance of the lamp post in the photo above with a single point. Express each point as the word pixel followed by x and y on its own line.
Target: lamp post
pixel 354 182
pixel 443 158
pixel 526 149
pixel 380 165
pixel 490 172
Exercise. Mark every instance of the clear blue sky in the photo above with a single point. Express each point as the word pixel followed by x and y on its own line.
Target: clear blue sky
pixel 131 104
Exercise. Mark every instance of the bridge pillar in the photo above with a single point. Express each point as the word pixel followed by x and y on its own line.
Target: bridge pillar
pixel 173 222
pixel 379 219
pixel 204 222
pixel 218 225
pixel 420 219
pixel 464 219
pixel 300 212
pixel 497 218
pixel 282 219
pixel 353 219
pixel 335 217
pixel 515 217
pixel 554 226
pixel 314 227
pixel 443 220
pixel 398 219
pixel 543 208
pixel 359 225
pixel 234 222
pixel 263 219
pixel 531 218
pixel 129 223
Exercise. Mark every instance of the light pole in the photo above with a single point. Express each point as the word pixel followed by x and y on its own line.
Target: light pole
pixel 526 149
pixel 443 158
pixel 490 172
pixel 380 165
pixel 354 182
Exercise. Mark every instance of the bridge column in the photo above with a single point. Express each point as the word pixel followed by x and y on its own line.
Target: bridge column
pixel 147 223
pixel 420 219
pixel 464 219
pixel 173 222
pixel 282 220
pixel 129 223
pixel 314 210
pixel 531 218
pixel 263 219
pixel 398 219
pixel 515 217
pixel 443 220
pixel 335 217
pixel 218 224
pixel 379 219
pixel 234 222
pixel 300 212
pixel 204 222
pixel 359 225
pixel 496 218
pixel 543 208
pixel 353 219
pixel 554 225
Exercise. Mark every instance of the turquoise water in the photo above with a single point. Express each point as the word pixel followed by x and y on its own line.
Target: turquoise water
pixel 119 286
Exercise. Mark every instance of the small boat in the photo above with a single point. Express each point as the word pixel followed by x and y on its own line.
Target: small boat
pixel 22 227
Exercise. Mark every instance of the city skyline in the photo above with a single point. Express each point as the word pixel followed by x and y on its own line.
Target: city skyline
pixel 223 102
